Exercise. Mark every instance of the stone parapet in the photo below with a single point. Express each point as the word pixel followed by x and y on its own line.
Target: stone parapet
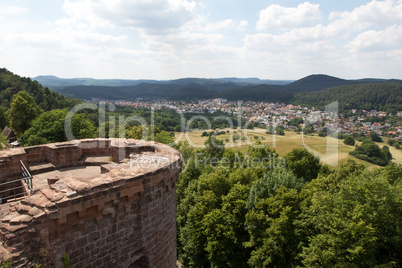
pixel 103 202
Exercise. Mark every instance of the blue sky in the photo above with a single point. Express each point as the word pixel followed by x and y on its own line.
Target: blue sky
pixel 167 39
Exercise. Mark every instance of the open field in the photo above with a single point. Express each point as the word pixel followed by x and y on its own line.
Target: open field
pixel 337 151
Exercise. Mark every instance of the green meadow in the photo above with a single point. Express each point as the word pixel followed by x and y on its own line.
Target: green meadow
pixel 330 150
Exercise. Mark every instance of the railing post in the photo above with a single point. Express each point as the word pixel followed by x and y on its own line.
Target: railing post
pixel 27 176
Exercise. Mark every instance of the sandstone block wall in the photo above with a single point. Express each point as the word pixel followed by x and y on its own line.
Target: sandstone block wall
pixel 125 216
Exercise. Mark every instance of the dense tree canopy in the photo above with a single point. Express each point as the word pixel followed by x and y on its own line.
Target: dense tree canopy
pixel 49 127
pixel 232 215
pixel 23 100
pixel 303 164
pixel 3 117
pixel 352 218
pixel 379 96
pixel 46 99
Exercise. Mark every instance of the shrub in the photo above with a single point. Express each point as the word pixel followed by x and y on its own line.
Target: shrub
pixel 349 140
pixel 392 142
pixel 375 137
pixel 371 152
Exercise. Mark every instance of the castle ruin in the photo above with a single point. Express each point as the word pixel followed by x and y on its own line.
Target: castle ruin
pixel 101 202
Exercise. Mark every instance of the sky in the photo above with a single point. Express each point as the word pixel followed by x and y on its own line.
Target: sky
pixel 169 39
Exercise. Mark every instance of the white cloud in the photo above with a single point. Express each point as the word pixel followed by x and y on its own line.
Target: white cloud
pixel 375 41
pixel 147 15
pixel 173 25
pixel 178 42
pixel 119 39
pixel 374 15
pixel 13 18
pixel 379 14
pixel 13 10
pixel 175 38
pixel 292 52
pixel 28 39
pixel 299 38
pixel 363 42
pixel 352 30
pixel 276 16
pixel 223 24
pixel 242 25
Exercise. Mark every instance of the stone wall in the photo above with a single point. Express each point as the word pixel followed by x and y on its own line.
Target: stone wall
pixel 125 216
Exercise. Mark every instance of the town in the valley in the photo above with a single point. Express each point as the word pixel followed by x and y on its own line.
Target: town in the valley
pixel 354 122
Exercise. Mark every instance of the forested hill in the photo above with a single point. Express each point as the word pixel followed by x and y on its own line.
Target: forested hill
pixel 318 82
pixel 11 84
pixel 196 88
pixel 268 93
pixel 376 96
pixel 190 92
pixel 144 90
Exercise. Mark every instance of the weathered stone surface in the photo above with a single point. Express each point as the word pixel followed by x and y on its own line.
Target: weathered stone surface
pixel 116 216
pixel 40 202
pixel 22 208
pixel 51 181
pixel 52 195
pixel 41 167
pixel 8 217
pixel 71 194
pixel 14 228
pixel 21 219
pixel 97 160
pixel 40 216
pixel 34 199
pixel 59 186
pixel 34 211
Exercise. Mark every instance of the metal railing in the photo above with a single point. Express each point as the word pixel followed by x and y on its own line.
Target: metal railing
pixel 27 177
pixel 16 189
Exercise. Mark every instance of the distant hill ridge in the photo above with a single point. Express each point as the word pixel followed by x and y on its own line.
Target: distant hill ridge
pixel 314 90
pixel 309 83
pixel 56 82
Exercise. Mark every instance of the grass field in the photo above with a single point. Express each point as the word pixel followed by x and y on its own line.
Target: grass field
pixel 337 151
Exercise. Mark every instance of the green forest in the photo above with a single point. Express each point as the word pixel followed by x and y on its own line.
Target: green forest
pixel 11 84
pixel 23 100
pixel 234 211
pixel 379 96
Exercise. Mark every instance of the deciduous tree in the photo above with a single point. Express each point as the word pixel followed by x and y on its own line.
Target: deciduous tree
pixel 23 110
